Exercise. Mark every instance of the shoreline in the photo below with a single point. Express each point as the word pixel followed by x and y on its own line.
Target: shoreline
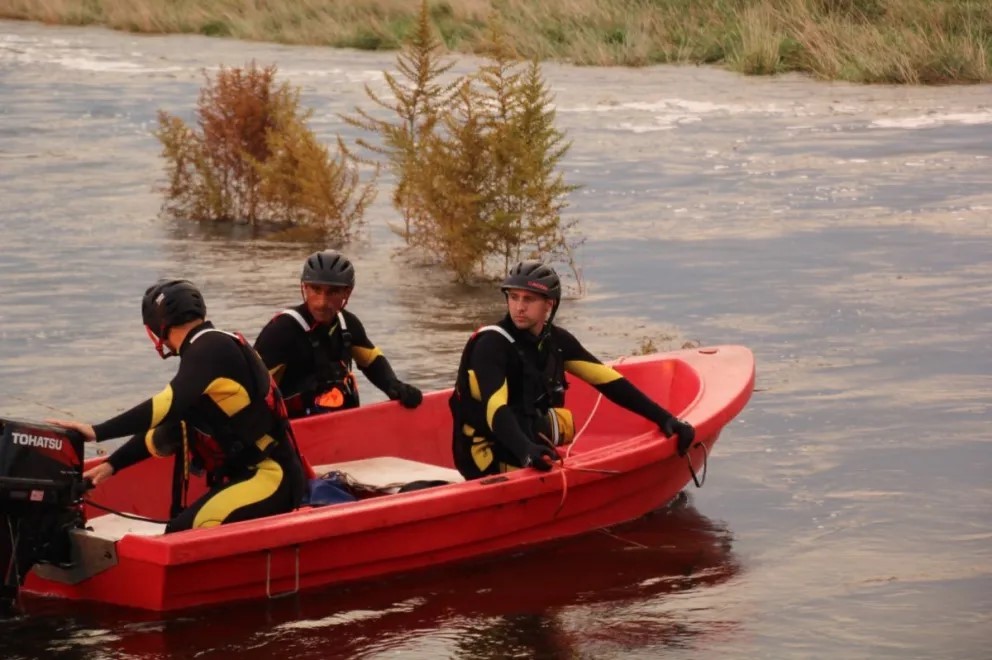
pixel 862 41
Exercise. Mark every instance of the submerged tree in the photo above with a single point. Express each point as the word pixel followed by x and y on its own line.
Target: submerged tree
pixel 453 188
pixel 499 86
pixel 418 98
pixel 527 151
pixel 538 179
pixel 476 160
pixel 252 158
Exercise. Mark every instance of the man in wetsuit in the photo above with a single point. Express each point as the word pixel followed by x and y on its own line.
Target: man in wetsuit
pixel 309 348
pixel 221 414
pixel 508 406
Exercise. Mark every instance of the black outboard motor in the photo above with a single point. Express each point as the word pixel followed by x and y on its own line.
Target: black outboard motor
pixel 41 489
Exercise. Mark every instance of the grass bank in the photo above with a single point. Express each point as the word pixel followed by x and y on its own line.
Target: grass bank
pixel 871 41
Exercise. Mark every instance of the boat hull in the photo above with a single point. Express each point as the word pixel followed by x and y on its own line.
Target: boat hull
pixel 619 468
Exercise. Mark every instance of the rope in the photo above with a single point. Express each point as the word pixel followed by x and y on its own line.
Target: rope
pixel 697 480
pixel 12 575
pixel 568 452
pixel 629 542
pixel 706 460
pixel 129 516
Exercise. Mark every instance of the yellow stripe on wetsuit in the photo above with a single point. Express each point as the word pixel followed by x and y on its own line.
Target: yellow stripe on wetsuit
pixel 364 356
pixel 592 372
pixel 266 480
pixel 161 404
pixel 495 402
pixel 229 395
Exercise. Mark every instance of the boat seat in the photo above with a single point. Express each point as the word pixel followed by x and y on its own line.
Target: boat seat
pixel 113 527
pixel 381 472
pixel 388 472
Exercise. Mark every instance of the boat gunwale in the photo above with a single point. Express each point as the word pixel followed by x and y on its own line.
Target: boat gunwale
pixel 308 525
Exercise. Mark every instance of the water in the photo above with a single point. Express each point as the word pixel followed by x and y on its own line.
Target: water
pixel 842 232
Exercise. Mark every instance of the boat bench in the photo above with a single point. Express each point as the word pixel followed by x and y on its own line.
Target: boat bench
pixel 113 527
pixel 381 472
pixel 390 472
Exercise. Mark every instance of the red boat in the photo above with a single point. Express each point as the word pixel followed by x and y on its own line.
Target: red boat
pixel 618 469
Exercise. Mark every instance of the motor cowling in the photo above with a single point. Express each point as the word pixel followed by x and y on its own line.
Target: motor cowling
pixel 41 488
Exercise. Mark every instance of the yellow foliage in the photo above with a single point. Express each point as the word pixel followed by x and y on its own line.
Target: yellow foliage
pixel 476 160
pixel 253 159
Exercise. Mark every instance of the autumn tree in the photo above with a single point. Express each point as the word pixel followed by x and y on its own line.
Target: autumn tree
pixel 453 186
pixel 477 164
pixel 252 158
pixel 418 97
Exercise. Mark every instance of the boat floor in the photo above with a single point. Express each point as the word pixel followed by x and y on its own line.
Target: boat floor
pixel 383 473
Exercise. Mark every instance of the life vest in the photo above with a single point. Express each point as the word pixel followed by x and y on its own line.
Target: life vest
pixel 220 450
pixel 531 399
pixel 332 386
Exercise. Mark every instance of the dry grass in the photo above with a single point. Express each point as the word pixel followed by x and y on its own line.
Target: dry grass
pixel 900 41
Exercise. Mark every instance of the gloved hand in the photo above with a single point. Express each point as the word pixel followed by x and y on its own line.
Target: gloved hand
pixel 408 395
pixel 540 456
pixel 686 434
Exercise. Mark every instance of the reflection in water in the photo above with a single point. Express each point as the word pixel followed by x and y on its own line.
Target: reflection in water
pixel 557 601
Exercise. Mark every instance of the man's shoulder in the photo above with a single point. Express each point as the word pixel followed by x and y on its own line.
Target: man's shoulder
pixel 490 349
pixel 492 338
pixel 212 341
pixel 558 332
pixel 350 318
pixel 563 338
pixel 286 319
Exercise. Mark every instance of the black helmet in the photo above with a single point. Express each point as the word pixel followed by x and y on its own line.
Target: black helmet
pixel 169 303
pixel 328 267
pixel 533 275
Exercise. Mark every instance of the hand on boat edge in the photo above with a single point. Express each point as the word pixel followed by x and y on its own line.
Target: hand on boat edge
pixel 541 457
pixel 408 395
pixel 684 430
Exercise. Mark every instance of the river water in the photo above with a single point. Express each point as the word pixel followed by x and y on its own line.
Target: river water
pixel 842 232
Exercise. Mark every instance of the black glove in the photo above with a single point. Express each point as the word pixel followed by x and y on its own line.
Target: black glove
pixel 408 395
pixel 675 426
pixel 540 456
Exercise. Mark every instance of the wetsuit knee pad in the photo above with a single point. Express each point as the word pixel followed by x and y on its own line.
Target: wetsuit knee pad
pixel 557 427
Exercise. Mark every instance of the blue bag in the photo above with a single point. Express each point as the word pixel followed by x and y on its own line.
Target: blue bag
pixel 331 488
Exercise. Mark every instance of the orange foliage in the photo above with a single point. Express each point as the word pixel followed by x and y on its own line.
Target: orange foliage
pixel 253 159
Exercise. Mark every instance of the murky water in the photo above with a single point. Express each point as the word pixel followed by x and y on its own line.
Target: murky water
pixel 844 233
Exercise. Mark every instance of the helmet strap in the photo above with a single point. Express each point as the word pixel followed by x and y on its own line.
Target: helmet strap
pixel 546 330
pixel 159 343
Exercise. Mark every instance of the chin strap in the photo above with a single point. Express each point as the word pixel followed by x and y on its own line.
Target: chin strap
pixel 159 343
pixel 546 330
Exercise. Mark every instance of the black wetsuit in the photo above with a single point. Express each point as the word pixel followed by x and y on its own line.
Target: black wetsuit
pixel 311 362
pixel 504 390
pixel 222 414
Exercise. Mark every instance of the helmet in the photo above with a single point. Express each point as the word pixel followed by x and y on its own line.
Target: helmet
pixel 535 276
pixel 169 303
pixel 328 267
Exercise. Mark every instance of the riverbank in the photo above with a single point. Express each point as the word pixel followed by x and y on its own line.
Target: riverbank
pixel 869 41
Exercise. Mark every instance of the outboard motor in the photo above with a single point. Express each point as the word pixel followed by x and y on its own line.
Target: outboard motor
pixel 41 489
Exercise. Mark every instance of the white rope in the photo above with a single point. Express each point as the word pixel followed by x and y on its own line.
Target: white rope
pixel 592 413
